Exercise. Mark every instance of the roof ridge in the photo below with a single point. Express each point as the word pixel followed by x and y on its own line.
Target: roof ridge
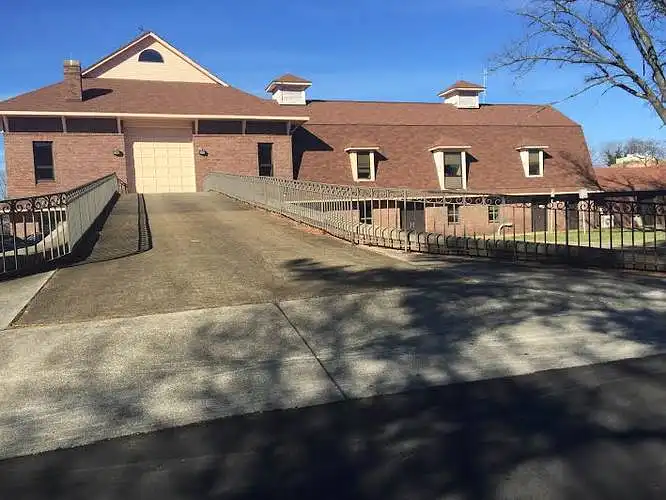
pixel 369 124
pixel 359 101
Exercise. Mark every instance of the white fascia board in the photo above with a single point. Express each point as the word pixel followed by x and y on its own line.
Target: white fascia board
pixel 272 85
pixel 451 91
pixel 28 114
pixel 449 148
pixel 362 148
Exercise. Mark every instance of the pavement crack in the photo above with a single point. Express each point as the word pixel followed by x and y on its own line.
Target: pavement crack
pixel 312 351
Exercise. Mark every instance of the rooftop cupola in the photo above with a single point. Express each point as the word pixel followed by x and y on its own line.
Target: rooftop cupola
pixel 289 89
pixel 462 94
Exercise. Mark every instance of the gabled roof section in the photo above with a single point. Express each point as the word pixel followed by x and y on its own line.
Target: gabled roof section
pixel 142 39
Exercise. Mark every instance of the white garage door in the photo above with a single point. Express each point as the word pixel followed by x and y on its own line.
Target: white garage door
pixel 163 161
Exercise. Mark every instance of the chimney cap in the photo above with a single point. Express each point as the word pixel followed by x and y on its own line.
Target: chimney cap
pixel 72 62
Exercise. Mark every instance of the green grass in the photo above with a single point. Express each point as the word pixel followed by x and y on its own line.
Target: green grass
pixel 604 238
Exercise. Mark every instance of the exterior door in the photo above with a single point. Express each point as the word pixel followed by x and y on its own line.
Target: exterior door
pixel 412 217
pixel 539 218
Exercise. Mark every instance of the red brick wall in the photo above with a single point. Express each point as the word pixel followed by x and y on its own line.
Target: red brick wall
pixel 474 220
pixel 77 158
pixel 237 154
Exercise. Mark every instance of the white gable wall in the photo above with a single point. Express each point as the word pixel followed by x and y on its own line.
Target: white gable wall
pixel 126 65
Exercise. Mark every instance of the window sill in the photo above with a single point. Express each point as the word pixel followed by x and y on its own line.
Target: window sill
pixel 365 180
pixel 533 176
pixel 45 181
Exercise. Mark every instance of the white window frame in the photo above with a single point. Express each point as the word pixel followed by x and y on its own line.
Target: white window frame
pixel 494 210
pixel 453 212
pixel 525 159
pixel 438 157
pixel 353 161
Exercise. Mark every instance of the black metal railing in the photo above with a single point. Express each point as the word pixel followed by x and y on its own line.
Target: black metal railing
pixel 41 229
pixel 624 230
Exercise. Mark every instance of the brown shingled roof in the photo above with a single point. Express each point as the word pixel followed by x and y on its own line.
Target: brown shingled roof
pixel 463 84
pixel 433 113
pixel 495 165
pixel 446 141
pixel 631 178
pixel 289 78
pixel 105 95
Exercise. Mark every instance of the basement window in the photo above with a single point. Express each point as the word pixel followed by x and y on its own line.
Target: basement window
pixel 493 213
pixel 365 212
pixel 42 152
pixel 453 214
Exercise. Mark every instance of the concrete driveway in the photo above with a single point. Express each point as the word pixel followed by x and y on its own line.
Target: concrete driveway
pixel 71 384
pixel 189 251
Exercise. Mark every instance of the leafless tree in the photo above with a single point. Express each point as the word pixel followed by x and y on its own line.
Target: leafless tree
pixel 609 152
pixel 619 43
pixel 647 151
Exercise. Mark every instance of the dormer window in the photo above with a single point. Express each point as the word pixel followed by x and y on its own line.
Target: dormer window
pixel 451 166
pixel 532 158
pixel 363 162
pixel 151 55
pixel 363 166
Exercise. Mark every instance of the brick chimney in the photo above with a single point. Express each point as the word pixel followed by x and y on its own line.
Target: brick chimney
pixel 72 79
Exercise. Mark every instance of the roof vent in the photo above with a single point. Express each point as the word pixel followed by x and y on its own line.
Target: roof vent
pixel 289 89
pixel 462 94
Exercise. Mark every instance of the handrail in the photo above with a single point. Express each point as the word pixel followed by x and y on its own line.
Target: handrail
pixel 596 231
pixel 39 229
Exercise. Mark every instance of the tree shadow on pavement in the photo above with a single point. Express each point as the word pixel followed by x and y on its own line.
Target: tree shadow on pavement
pixel 593 431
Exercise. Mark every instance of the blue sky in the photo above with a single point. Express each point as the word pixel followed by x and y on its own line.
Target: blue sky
pixel 350 49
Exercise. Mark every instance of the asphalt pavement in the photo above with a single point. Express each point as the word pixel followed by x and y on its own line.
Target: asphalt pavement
pixel 593 432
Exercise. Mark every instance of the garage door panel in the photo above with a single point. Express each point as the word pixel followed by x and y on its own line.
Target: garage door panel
pixel 164 166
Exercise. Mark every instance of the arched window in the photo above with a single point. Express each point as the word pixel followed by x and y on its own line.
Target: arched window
pixel 150 55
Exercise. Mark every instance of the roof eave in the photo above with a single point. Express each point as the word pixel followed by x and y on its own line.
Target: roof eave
pixel 446 92
pixel 271 86
pixel 107 114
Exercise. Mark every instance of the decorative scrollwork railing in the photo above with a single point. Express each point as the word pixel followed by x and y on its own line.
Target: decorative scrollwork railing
pixel 39 229
pixel 620 230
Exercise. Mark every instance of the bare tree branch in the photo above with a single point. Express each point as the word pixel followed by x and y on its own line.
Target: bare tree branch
pixel 593 34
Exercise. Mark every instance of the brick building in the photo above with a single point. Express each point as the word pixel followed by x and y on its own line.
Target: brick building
pixel 162 122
